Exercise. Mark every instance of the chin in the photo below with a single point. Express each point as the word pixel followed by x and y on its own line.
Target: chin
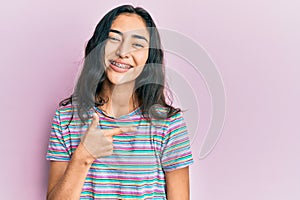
pixel 118 80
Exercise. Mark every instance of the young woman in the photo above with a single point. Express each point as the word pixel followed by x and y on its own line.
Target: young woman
pixel 117 137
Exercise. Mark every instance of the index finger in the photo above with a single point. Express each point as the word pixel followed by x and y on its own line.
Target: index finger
pixel 117 131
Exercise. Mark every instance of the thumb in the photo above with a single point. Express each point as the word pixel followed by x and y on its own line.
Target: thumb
pixel 95 121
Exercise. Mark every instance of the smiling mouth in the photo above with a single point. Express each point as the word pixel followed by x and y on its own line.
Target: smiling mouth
pixel 120 65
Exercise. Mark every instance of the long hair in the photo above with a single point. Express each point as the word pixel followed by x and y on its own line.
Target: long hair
pixel 149 85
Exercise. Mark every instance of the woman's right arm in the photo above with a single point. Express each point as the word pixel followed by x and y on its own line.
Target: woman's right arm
pixel 66 179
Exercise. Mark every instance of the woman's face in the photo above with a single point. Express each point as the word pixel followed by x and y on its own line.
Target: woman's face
pixel 126 50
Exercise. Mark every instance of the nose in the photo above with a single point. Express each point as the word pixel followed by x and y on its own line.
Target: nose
pixel 124 50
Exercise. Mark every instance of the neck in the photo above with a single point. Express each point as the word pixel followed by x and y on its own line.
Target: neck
pixel 121 98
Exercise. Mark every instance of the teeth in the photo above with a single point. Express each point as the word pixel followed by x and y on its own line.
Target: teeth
pixel 120 65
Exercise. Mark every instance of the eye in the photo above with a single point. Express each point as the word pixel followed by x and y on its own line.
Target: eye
pixel 137 45
pixel 113 39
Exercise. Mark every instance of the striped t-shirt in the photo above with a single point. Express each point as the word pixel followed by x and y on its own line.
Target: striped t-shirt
pixel 136 168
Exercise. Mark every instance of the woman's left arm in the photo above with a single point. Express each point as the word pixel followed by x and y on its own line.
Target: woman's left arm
pixel 178 187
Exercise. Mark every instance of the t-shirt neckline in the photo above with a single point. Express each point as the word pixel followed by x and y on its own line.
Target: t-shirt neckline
pixel 132 113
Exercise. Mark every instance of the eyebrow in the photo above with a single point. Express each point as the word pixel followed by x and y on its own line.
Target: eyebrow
pixel 133 36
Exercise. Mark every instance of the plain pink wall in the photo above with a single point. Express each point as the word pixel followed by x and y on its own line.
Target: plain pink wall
pixel 255 45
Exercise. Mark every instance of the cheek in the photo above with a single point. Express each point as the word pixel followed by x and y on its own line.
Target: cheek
pixel 109 49
pixel 141 57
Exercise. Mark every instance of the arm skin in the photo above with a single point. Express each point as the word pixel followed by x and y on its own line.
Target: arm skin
pixel 178 187
pixel 66 179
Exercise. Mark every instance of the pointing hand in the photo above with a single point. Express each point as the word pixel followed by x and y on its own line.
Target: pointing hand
pixel 99 142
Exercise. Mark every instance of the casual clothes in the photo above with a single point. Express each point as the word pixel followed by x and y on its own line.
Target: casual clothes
pixel 136 168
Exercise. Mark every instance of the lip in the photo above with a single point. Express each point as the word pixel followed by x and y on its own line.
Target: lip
pixel 118 69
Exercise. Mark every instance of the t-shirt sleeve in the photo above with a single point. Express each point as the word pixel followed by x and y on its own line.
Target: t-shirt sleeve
pixel 57 150
pixel 176 152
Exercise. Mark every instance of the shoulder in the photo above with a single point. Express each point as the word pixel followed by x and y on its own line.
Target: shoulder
pixel 175 118
pixel 65 114
pixel 176 124
pixel 65 110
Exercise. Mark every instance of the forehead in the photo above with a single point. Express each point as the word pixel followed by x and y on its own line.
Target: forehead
pixel 130 23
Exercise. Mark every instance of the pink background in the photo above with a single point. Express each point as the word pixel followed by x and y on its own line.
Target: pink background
pixel 255 45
